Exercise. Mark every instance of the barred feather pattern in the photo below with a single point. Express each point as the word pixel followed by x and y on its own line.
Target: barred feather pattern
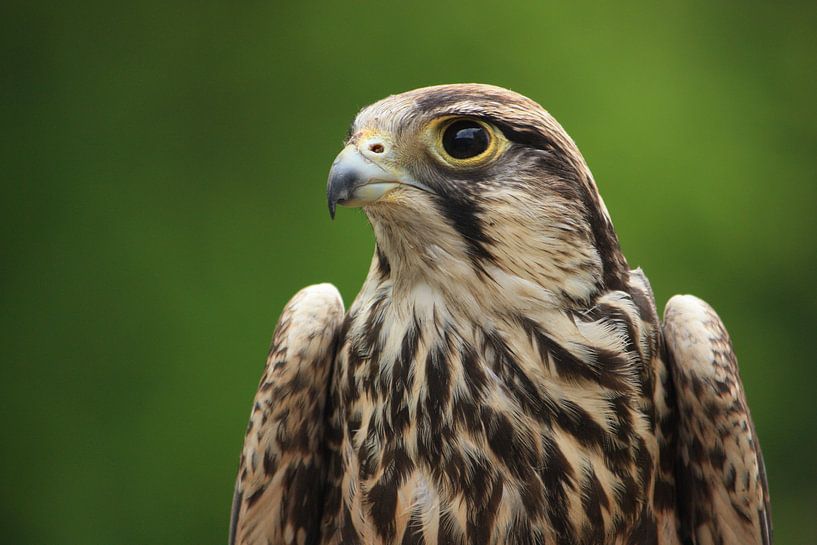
pixel 528 428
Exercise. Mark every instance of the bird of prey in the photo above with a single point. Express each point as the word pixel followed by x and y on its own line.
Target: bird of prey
pixel 502 377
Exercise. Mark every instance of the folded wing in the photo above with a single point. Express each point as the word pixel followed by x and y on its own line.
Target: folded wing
pixel 723 493
pixel 279 489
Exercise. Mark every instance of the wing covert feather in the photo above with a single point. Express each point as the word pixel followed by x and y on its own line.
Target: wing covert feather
pixel 723 493
pixel 279 489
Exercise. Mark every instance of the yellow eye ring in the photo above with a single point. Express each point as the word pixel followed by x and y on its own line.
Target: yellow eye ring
pixel 466 141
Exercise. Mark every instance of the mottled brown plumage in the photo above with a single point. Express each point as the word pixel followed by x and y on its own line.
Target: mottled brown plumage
pixel 502 376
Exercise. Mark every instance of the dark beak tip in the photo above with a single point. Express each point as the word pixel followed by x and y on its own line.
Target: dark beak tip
pixel 339 186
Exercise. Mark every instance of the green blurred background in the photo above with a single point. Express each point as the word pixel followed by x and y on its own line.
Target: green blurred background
pixel 163 171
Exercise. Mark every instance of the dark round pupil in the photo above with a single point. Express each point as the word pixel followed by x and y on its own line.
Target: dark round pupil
pixel 465 139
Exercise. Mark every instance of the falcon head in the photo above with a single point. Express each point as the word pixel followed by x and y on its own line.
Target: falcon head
pixel 474 181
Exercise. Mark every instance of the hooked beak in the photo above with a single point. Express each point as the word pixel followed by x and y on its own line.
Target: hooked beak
pixel 355 180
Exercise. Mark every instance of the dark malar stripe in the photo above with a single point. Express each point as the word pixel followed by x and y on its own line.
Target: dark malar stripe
pixel 463 216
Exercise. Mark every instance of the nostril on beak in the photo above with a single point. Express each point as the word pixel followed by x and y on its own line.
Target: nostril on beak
pixel 376 147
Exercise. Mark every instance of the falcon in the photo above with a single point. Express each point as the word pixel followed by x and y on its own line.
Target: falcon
pixel 502 377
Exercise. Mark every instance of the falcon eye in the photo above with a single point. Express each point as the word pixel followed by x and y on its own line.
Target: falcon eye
pixel 465 139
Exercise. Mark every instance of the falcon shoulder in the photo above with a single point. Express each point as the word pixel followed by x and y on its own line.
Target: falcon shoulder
pixel 279 489
pixel 723 493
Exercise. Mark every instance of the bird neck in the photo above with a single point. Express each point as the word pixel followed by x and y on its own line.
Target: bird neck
pixel 528 268
pixel 418 282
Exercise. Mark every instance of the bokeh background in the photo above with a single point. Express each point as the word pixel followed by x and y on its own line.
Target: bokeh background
pixel 163 170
